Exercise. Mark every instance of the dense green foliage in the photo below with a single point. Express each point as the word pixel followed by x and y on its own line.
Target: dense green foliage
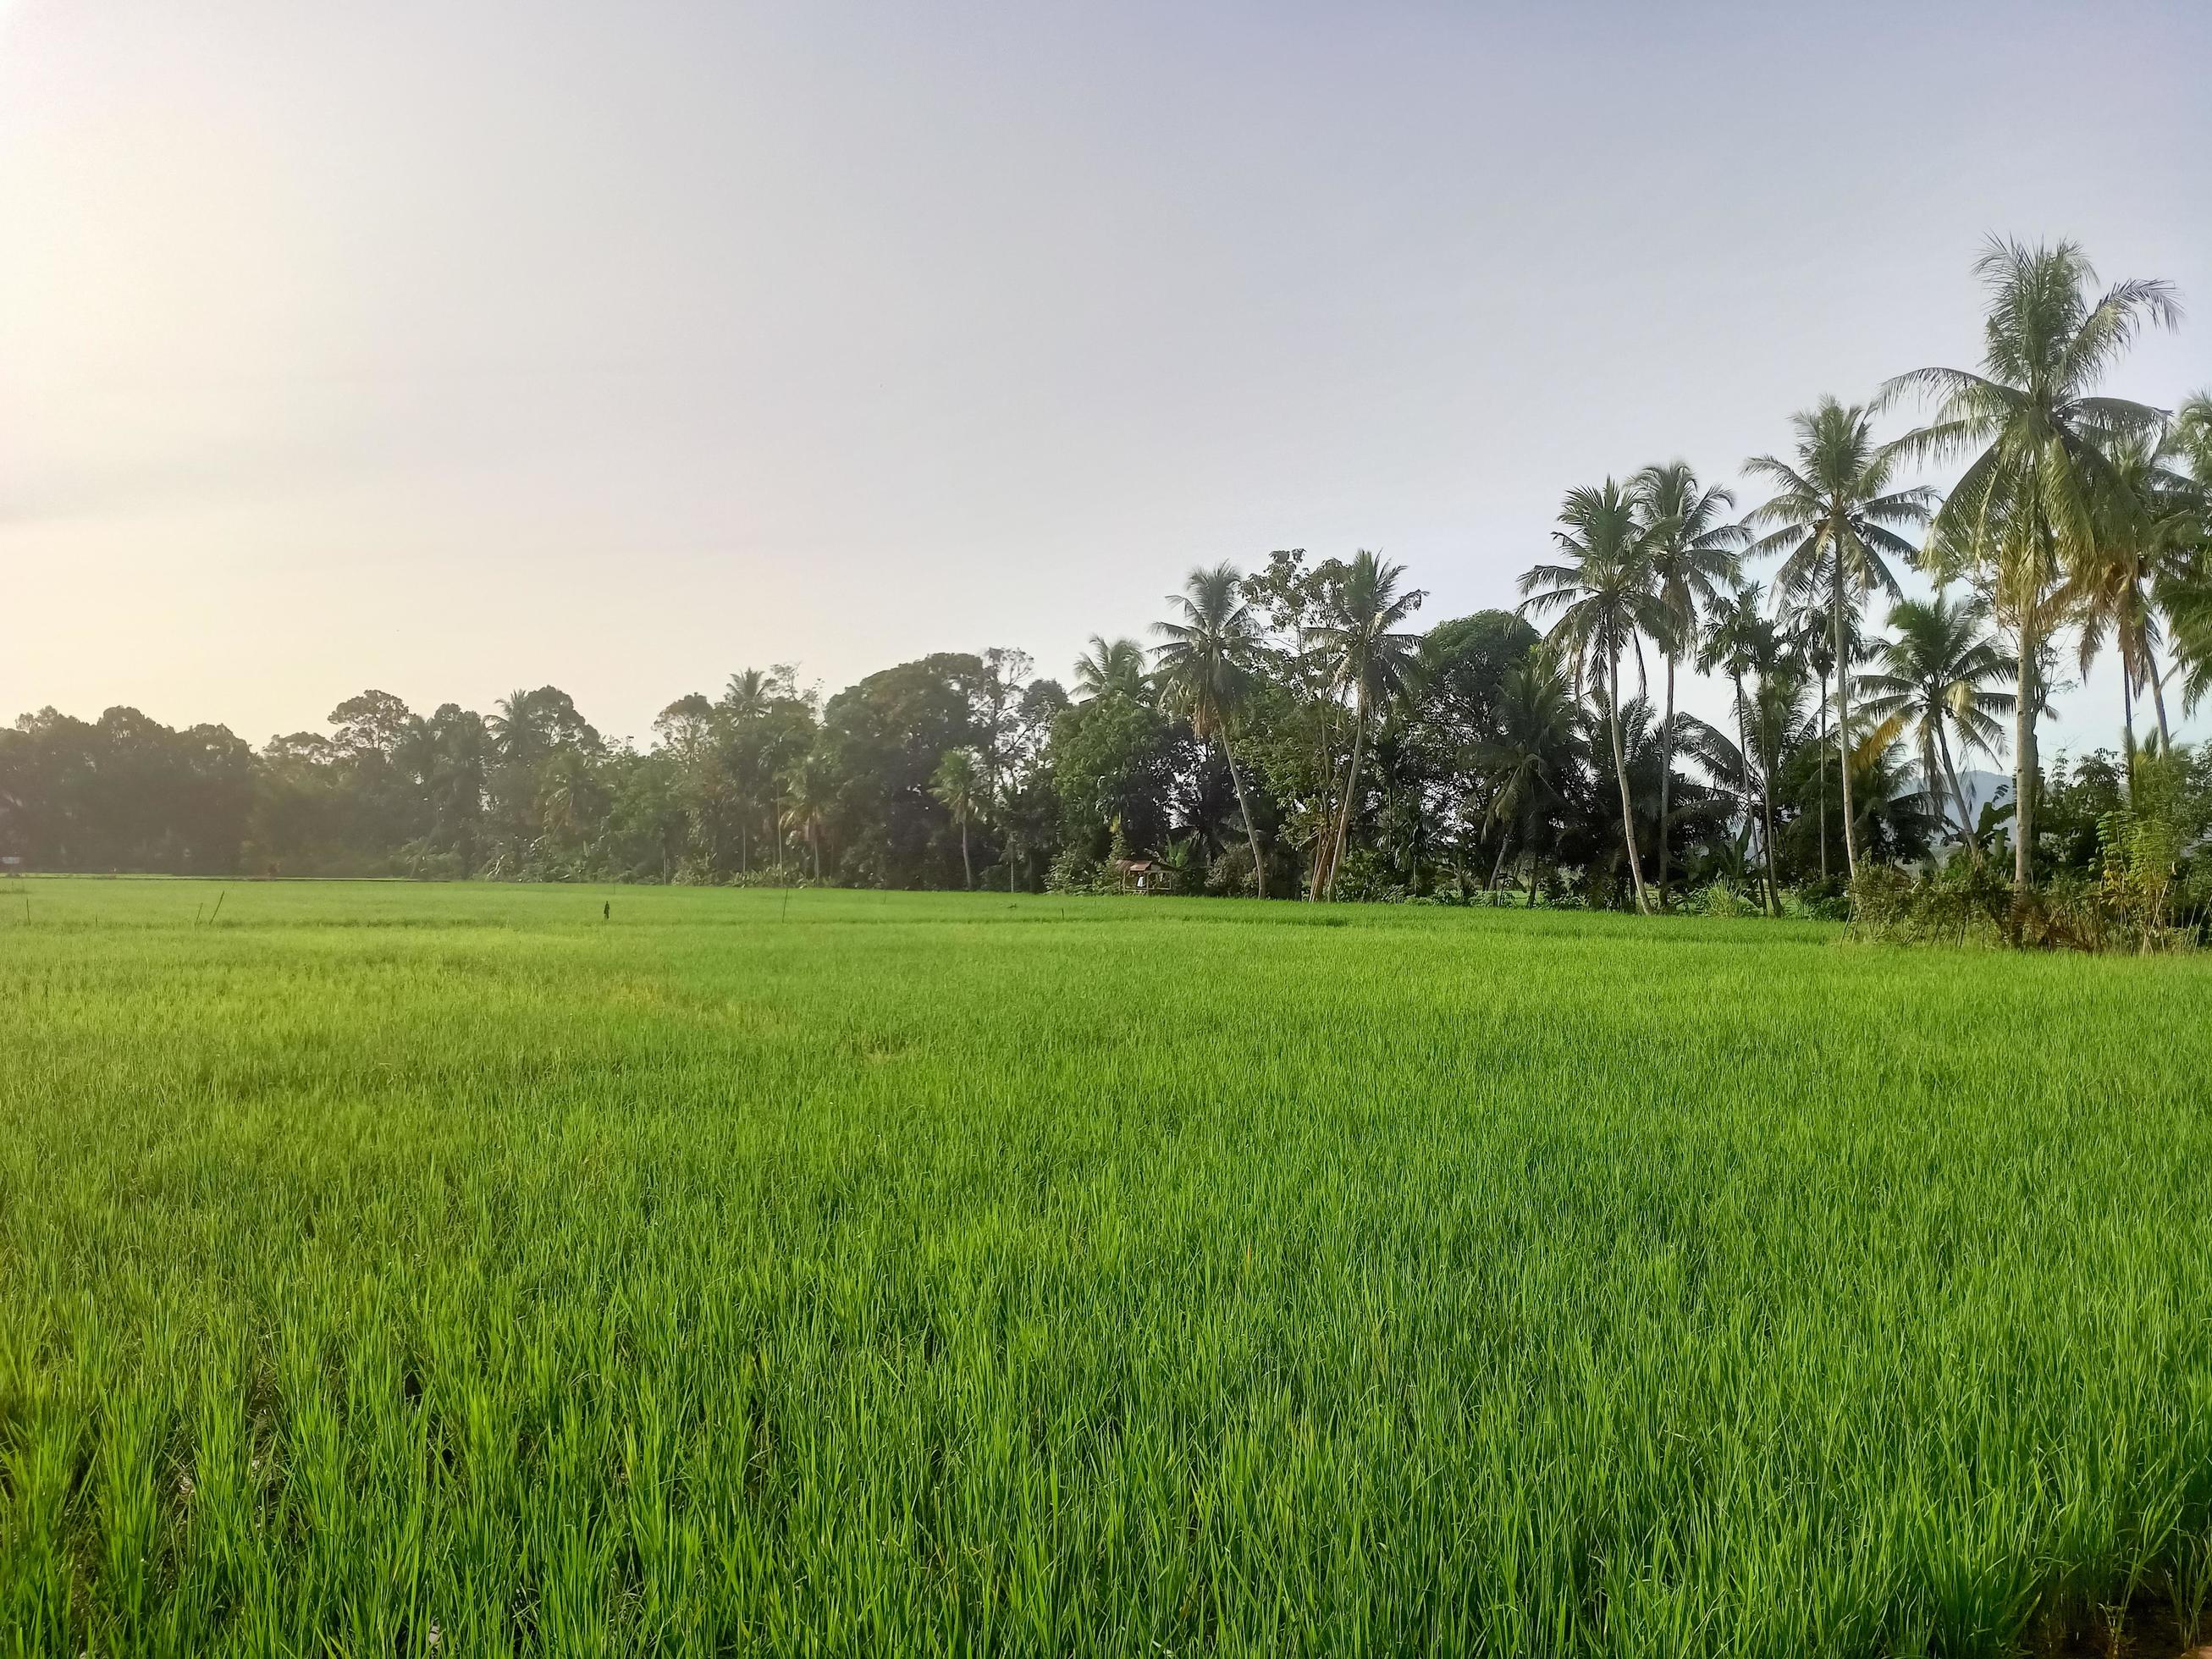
pixel 2125 864
pixel 385 1267
pixel 1294 730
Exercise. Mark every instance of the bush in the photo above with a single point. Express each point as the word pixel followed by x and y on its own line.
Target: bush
pixel 1963 903
pixel 1717 900
pixel 2119 908
pixel 1231 875
pixel 1073 872
pixel 1819 901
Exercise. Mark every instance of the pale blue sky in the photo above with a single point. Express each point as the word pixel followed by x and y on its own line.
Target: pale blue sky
pixel 449 347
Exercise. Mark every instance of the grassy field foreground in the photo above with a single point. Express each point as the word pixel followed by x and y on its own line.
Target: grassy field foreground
pixel 396 1269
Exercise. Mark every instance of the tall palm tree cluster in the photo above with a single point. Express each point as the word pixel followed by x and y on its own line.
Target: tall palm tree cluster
pixel 2078 516
pixel 1290 730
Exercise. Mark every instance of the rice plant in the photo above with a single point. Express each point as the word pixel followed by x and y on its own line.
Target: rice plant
pixel 476 1270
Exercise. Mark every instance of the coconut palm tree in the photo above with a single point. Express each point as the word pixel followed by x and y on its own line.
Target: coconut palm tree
pixel 2192 435
pixel 1835 519
pixel 1898 818
pixel 570 800
pixel 745 702
pixel 516 731
pixel 2189 604
pixel 1206 671
pixel 2184 589
pixel 2000 565
pixel 1691 549
pixel 2147 526
pixel 748 695
pixel 1699 809
pixel 809 792
pixel 1940 676
pixel 1537 746
pixel 958 785
pixel 1739 641
pixel 1110 665
pixel 1371 661
pixel 2028 506
pixel 1603 594
pixel 1802 631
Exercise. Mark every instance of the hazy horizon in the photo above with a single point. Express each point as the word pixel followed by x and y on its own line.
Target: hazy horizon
pixel 449 348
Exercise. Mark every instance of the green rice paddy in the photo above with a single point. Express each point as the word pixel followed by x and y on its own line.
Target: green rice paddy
pixel 393 1269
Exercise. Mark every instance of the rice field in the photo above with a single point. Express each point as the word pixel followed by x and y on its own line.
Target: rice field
pixel 402 1270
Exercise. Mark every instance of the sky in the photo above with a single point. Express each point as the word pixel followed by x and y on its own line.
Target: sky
pixel 454 346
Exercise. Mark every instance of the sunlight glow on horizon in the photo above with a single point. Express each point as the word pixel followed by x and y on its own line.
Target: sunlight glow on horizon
pixel 444 349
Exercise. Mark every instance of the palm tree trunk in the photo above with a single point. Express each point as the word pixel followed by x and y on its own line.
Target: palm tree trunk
pixel 1325 837
pixel 1498 869
pixel 2024 762
pixel 1351 793
pixel 2157 697
pixel 1958 798
pixel 1665 775
pixel 1930 775
pixel 1620 776
pixel 1744 752
pixel 2128 720
pixel 1764 825
pixel 967 870
pixel 1767 798
pixel 1844 716
pixel 1251 834
pixel 1823 787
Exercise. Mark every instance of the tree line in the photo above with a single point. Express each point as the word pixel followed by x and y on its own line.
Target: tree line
pixel 1290 732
